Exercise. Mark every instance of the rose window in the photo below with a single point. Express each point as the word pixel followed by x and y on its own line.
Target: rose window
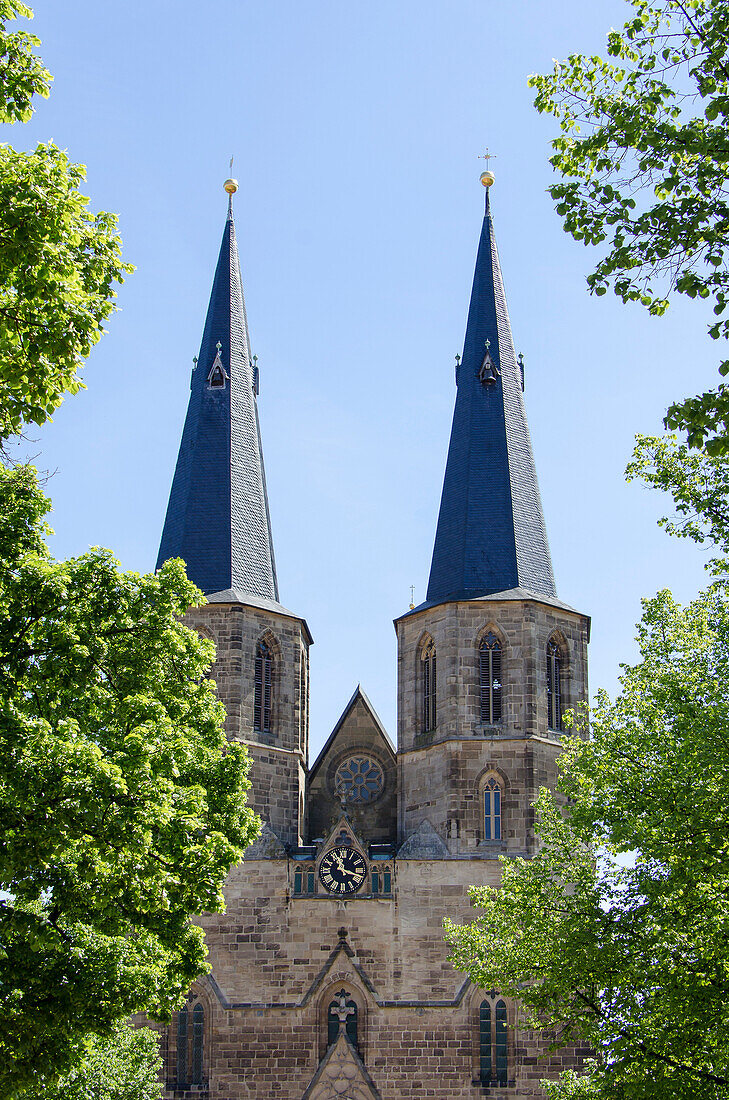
pixel 359 779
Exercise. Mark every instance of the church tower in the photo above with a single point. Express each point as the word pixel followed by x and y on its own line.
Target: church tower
pixel 218 522
pixel 490 661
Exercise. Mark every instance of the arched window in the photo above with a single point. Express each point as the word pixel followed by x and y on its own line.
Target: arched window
pixel 427 656
pixel 492 809
pixel 342 1011
pixel 493 1046
pixel 189 1046
pixel 303 704
pixel 198 1029
pixel 554 685
pixel 182 1046
pixel 262 698
pixel 489 660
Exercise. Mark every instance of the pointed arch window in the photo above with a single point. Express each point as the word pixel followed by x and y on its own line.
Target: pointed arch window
pixel 263 688
pixel 493 1045
pixel 492 809
pixel 555 664
pixel 198 1032
pixel 429 680
pixel 489 661
pixel 190 1046
pixel 342 1011
pixel 182 1046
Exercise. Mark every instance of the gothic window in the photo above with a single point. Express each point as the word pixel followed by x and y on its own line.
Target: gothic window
pixel 381 880
pixel 303 704
pixel 342 1009
pixel 427 656
pixel 262 698
pixel 182 1046
pixel 190 1046
pixel 305 879
pixel 359 779
pixel 489 655
pixel 492 809
pixel 198 1027
pixel 493 1047
pixel 554 685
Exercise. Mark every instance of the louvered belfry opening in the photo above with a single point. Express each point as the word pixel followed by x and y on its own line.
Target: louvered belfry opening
pixel 554 686
pixel 490 678
pixel 263 688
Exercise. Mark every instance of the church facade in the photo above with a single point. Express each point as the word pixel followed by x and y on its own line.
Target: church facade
pixel 329 975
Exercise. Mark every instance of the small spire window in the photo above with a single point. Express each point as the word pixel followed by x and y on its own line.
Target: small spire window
pixel 489 658
pixel 263 688
pixel 488 372
pixel 554 685
pixel 429 681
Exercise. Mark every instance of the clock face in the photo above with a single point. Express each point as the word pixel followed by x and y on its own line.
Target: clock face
pixel 342 870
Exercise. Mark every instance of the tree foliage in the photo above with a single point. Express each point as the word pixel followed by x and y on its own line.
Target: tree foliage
pixel 124 1065
pixel 122 805
pixel 633 958
pixel 59 262
pixel 644 157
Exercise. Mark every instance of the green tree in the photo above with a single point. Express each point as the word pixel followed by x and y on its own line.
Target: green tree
pixel 59 262
pixel 122 1066
pixel 122 805
pixel 644 157
pixel 632 959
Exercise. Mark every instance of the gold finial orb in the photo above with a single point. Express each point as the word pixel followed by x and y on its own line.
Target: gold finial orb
pixel 231 186
pixel 487 178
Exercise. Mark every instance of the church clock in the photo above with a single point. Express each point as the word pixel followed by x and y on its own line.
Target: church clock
pixel 342 870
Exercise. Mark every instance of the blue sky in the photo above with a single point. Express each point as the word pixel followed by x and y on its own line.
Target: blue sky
pixel 355 131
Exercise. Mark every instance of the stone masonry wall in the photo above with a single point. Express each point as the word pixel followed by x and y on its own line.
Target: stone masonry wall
pixel 278 770
pixel 277 962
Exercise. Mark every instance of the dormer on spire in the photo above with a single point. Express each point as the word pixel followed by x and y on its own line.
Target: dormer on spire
pixel 217 517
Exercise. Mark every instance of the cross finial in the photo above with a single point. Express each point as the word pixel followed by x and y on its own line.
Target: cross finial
pixel 487 156
pixel 218 346
pixel 341 1009
pixel 412 596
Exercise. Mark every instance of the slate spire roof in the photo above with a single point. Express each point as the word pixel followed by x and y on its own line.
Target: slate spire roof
pixel 217 517
pixel 491 535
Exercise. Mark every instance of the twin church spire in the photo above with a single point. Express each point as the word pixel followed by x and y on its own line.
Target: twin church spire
pixel 217 518
pixel 490 536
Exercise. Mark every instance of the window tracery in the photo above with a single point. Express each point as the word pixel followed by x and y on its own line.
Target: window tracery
pixel 493 1046
pixel 359 779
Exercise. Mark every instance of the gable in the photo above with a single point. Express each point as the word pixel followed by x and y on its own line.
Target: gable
pixel 355 774
pixel 341 1075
